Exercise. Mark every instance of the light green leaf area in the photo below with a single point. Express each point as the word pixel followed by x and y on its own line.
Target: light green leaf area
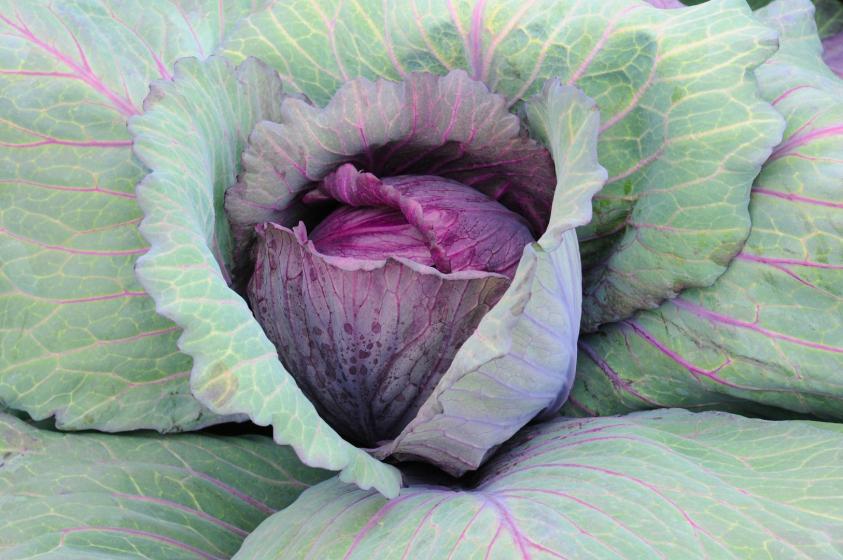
pixel 79 338
pixel 190 136
pixel 769 332
pixel 660 484
pixel 183 497
pixel 683 132
pixel 521 360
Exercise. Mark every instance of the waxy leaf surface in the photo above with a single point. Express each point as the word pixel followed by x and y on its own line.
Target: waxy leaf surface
pixel 182 497
pixel 191 136
pixel 519 362
pixel 769 332
pixel 660 484
pixel 79 338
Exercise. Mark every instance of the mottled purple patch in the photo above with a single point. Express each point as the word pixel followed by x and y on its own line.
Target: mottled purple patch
pixel 389 329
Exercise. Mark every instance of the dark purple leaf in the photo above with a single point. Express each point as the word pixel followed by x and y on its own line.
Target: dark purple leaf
pixel 367 341
pixel 461 228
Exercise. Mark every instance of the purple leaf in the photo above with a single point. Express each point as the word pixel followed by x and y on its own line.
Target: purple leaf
pixel 461 228
pixel 666 4
pixel 381 143
pixel 367 341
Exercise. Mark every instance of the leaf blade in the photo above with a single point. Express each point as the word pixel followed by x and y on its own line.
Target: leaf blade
pixel 191 140
pixel 652 234
pixel 768 332
pixel 659 484
pixel 79 338
pixel 140 495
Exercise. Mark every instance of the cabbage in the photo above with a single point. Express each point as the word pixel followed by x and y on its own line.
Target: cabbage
pixel 404 236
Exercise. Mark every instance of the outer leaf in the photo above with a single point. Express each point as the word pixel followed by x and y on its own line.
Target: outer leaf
pixel 829 13
pixel 684 132
pixel 78 336
pixel 191 137
pixel 83 496
pixel 770 330
pixel 520 361
pixel 829 18
pixel 663 484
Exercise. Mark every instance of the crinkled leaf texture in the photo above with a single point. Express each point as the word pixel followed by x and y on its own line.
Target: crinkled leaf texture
pixel 683 134
pixel 79 338
pixel 191 136
pixel 183 497
pixel 660 484
pixel 770 330
pixel 448 126
pixel 519 361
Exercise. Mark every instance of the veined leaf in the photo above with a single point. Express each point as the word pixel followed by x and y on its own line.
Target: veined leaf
pixel 191 136
pixel 661 484
pixel 182 497
pixel 770 330
pixel 520 361
pixel 79 338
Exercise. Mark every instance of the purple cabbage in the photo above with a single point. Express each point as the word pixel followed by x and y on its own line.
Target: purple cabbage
pixel 370 274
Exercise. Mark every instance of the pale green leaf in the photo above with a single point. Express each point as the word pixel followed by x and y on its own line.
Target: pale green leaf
pixel 662 484
pixel 79 339
pixel 521 359
pixel 191 136
pixel 139 496
pixel 769 332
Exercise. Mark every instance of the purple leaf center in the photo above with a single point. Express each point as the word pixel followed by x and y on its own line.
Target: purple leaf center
pixel 430 220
